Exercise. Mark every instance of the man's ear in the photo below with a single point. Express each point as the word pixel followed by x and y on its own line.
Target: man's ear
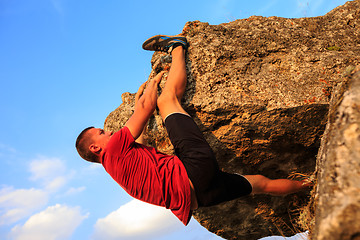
pixel 95 148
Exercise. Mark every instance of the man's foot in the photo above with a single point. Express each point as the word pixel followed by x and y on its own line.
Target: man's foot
pixel 164 43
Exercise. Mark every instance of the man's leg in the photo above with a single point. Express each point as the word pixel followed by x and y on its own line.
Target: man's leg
pixel 277 187
pixel 170 98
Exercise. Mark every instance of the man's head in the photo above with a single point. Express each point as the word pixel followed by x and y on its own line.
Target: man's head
pixel 91 142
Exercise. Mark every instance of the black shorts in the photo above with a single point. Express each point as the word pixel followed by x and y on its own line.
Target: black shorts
pixel 212 186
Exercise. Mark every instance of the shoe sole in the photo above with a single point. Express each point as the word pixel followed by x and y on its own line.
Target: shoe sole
pixel 153 40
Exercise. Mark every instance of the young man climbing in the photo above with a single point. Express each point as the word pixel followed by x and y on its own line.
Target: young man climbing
pixel 183 182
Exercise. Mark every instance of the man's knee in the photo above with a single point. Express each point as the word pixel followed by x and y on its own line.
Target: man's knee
pixel 258 183
pixel 168 103
pixel 166 98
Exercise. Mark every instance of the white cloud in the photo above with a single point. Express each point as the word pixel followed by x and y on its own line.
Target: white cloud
pixel 54 223
pixel 92 169
pixel 45 168
pixel 299 236
pixel 136 220
pixel 7 152
pixel 51 172
pixel 16 204
pixel 7 148
pixel 73 190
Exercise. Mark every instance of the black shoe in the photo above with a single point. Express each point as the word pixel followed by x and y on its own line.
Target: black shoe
pixel 164 43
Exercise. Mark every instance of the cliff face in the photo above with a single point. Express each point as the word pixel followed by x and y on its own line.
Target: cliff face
pixel 259 89
pixel 338 166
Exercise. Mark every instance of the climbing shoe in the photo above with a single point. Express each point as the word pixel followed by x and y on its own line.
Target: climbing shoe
pixel 164 43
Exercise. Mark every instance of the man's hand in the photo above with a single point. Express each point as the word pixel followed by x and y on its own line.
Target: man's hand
pixel 145 104
pixel 151 86
pixel 139 92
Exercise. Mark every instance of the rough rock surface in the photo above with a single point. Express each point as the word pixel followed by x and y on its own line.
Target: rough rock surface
pixel 338 192
pixel 259 89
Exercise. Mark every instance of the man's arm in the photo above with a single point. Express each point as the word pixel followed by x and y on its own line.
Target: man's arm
pixel 141 138
pixel 144 107
pixel 278 187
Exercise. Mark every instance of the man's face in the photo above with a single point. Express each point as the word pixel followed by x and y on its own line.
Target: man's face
pixel 100 137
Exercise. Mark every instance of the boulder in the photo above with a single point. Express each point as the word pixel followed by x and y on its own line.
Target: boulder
pixel 259 89
pixel 337 197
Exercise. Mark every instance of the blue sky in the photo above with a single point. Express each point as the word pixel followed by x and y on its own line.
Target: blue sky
pixel 63 66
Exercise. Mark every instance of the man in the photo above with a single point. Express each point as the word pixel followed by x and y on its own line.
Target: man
pixel 181 183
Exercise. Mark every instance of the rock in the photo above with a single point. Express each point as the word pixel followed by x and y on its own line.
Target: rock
pixel 338 167
pixel 259 89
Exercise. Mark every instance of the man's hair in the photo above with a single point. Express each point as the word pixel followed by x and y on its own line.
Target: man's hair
pixel 82 144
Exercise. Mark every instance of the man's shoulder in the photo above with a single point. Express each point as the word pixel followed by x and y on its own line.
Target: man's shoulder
pixel 120 140
pixel 124 132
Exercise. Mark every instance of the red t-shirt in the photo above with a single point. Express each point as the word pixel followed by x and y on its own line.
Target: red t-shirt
pixel 147 174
